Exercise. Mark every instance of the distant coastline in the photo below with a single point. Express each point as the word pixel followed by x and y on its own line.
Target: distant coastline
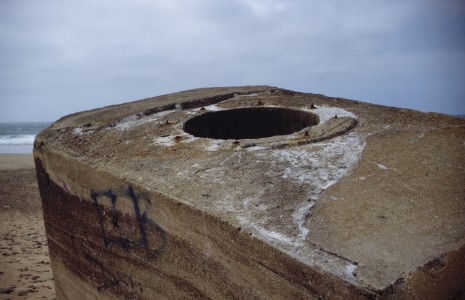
pixel 18 137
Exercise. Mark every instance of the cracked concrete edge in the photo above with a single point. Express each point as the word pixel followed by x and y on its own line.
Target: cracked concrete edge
pixel 440 278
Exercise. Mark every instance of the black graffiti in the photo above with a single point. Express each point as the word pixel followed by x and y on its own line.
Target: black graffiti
pixel 108 279
pixel 145 226
pixel 115 279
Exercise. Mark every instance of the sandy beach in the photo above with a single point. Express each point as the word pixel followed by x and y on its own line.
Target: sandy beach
pixel 25 271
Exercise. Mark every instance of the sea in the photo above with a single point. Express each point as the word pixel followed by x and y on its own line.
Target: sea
pixel 19 137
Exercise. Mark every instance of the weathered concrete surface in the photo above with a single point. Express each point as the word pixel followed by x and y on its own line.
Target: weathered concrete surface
pixel 370 204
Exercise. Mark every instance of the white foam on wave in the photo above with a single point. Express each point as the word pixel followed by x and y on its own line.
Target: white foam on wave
pixel 27 139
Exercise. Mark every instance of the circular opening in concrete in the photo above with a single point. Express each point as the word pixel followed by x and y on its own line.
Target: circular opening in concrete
pixel 249 123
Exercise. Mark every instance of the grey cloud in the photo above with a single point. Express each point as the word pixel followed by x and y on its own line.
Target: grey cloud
pixel 77 55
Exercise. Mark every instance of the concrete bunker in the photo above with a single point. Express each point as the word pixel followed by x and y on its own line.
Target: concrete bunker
pixel 141 201
pixel 249 123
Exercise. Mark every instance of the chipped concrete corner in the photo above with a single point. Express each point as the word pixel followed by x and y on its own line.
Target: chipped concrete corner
pixel 254 192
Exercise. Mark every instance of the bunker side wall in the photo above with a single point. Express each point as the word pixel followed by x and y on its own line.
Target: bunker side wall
pixel 109 238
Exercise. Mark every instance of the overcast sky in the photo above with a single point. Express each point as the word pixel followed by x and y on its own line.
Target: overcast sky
pixel 59 57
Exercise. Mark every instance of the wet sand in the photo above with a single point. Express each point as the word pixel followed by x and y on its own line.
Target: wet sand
pixel 25 271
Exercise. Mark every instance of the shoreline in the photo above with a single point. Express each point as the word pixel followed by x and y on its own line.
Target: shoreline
pixel 15 161
pixel 16 149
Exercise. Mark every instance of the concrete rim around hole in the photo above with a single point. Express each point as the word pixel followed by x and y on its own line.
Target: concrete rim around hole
pixel 306 129
pixel 249 123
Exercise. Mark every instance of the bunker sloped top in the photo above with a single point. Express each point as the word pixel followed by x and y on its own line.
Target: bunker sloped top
pixel 367 193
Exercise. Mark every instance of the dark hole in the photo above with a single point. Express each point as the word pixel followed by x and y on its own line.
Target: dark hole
pixel 249 123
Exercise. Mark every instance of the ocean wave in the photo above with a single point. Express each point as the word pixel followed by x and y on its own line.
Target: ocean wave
pixel 27 139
